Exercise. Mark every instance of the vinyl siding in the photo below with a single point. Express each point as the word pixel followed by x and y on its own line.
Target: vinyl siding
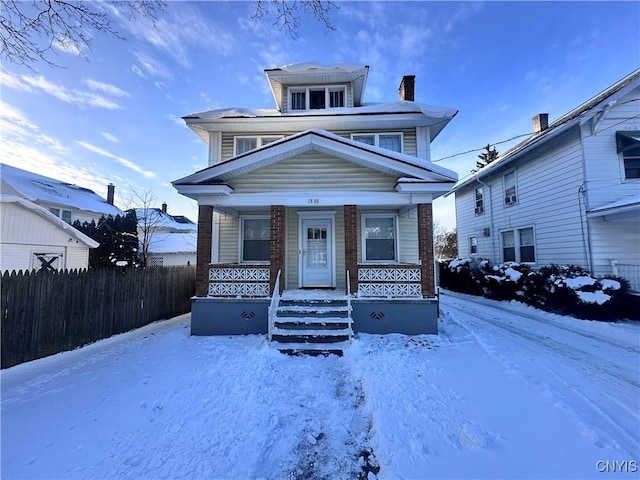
pixel 229 239
pixel 312 172
pixel 625 249
pixel 548 200
pixel 77 257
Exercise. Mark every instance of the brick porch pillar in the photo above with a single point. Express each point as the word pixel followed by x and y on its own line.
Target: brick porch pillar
pixel 276 245
pixel 203 252
pixel 425 249
pixel 351 245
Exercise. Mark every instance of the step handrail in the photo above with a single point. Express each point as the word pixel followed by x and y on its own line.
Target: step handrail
pixel 349 309
pixel 273 306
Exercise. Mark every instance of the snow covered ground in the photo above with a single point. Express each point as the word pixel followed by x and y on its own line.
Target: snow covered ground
pixel 505 391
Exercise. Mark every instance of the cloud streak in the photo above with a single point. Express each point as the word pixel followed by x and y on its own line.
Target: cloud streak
pixel 122 161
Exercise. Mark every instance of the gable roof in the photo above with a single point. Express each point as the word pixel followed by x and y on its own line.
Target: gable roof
pixel 176 242
pixel 379 159
pixel 162 221
pixel 49 217
pixel 597 105
pixel 39 188
pixel 317 74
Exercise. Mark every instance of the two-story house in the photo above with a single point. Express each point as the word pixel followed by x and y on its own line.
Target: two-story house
pixel 568 195
pixel 322 192
pixel 37 213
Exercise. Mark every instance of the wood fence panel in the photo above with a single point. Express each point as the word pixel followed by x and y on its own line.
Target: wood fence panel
pixel 44 313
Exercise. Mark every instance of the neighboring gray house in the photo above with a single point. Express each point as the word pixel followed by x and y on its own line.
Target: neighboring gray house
pixel 323 186
pixel 569 194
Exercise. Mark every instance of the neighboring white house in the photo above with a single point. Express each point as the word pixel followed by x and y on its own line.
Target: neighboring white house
pixel 66 201
pixel 170 240
pixel 32 238
pixel 320 189
pixel 569 194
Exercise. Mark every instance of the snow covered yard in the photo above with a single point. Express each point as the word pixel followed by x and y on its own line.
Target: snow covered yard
pixel 504 391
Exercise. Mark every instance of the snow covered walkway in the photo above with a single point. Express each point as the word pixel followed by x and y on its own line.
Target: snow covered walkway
pixel 505 391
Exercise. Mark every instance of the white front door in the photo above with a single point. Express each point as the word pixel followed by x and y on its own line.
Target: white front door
pixel 316 252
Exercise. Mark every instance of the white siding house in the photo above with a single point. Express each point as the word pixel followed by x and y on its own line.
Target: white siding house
pixel 32 238
pixel 569 194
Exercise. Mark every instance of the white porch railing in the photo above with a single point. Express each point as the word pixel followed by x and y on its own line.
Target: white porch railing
pixel 629 272
pixel 349 308
pixel 273 306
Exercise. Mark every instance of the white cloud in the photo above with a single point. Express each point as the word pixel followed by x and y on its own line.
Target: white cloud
pixel 175 119
pixel 110 137
pixel 148 66
pixel 105 88
pixel 122 161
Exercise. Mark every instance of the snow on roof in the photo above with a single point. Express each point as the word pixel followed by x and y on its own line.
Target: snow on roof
pixel 163 221
pixel 401 106
pixel 175 242
pixel 39 188
pixel 314 67
pixel 50 217
pixel 618 204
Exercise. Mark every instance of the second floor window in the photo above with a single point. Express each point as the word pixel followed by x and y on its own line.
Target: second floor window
pixel 65 215
pixel 479 201
pixel 390 141
pixel 631 167
pixel 510 188
pixel 245 144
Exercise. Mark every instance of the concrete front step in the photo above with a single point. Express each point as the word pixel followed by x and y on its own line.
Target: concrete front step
pixel 288 332
pixel 313 348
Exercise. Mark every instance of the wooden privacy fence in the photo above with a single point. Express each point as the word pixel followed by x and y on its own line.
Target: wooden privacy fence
pixel 44 313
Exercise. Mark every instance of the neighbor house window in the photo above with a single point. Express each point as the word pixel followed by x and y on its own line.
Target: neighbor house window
pixel 379 238
pixel 246 144
pixel 255 233
pixel 628 143
pixel 631 167
pixel 389 141
pixel 473 245
pixel 66 216
pixel 479 201
pixel 55 211
pixel 316 98
pixel 518 245
pixel 510 188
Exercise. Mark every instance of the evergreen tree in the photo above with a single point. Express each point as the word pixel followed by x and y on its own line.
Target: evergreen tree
pixel 117 237
pixel 486 157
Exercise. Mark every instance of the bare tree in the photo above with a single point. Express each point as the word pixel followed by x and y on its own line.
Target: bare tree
pixel 445 241
pixel 29 31
pixel 287 13
pixel 150 221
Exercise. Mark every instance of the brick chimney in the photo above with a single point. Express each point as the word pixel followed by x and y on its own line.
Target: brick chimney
pixel 164 207
pixel 111 190
pixel 540 122
pixel 407 88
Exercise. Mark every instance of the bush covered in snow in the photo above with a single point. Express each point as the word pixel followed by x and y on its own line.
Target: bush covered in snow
pixel 567 290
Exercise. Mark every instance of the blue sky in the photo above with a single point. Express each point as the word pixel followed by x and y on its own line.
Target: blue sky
pixel 117 118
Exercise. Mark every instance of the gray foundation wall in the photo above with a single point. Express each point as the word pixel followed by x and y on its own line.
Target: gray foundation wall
pixel 234 316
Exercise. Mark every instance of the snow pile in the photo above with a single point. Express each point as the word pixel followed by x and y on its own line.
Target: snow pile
pixel 505 391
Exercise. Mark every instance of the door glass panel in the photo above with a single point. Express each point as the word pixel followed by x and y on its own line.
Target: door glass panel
pixel 316 247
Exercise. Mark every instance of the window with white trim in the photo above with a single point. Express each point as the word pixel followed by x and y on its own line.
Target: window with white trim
pixel 479 200
pixel 255 233
pixel 631 166
pixel 518 245
pixel 510 188
pixel 390 141
pixel 245 144
pixel 473 245
pixel 65 215
pixel 379 238
pixel 316 98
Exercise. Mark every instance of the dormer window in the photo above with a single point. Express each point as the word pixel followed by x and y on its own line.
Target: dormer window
pixel 316 98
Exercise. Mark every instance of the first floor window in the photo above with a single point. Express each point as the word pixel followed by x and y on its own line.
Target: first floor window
pixel 473 245
pixel 256 233
pixel 389 141
pixel 380 238
pixel 518 245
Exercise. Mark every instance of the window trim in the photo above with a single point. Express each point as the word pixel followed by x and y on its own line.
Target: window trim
pixel 376 138
pixel 515 187
pixel 624 167
pixel 259 141
pixel 241 219
pixel 517 245
pixel 307 91
pixel 471 252
pixel 396 237
pixel 478 209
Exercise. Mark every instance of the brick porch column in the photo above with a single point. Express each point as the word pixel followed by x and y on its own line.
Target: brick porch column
pixel 276 246
pixel 203 253
pixel 351 245
pixel 425 249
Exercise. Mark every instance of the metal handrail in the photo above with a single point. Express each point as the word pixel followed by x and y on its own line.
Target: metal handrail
pixel 349 309
pixel 273 306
